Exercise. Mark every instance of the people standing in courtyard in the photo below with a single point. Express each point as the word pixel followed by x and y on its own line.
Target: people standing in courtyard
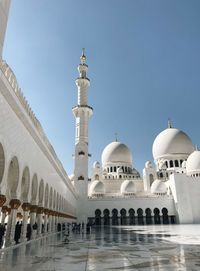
pixel 17 232
pixel 2 231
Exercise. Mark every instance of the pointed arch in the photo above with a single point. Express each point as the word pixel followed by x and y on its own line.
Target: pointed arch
pixel 2 162
pixel 13 177
pixel 34 188
pixel 25 184
pixel 41 192
pixel 46 195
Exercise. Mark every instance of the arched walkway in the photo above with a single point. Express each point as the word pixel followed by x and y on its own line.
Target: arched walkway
pixel 13 178
pixel 98 217
pixel 165 216
pixel 156 216
pixel 148 216
pixel 106 216
pixel 140 216
pixel 123 217
pixel 114 217
pixel 131 216
pixel 2 162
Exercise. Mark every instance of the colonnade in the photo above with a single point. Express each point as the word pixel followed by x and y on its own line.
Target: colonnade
pixel 132 217
pixel 32 220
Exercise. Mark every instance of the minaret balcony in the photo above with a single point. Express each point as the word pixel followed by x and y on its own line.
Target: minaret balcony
pixel 79 108
pixel 82 82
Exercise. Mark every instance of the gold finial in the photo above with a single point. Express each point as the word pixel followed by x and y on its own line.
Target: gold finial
pixel 116 139
pixel 169 122
pixel 83 57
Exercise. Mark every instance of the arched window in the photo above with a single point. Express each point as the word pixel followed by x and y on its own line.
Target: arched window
pixel 166 163
pixel 140 216
pixel 114 217
pixel 161 175
pixel 111 169
pixel 96 177
pixel 156 216
pixel 80 178
pixel 120 176
pixel 123 169
pixel 148 216
pixel 123 216
pixel 115 169
pixel 131 216
pixel 97 217
pixel 165 216
pixel 106 214
pixel 151 179
pixel 176 163
pixel 171 164
pixel 108 169
pixel 181 161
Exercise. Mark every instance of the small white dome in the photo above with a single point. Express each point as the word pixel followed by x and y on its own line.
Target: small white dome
pixel 172 141
pixel 158 187
pixel 127 187
pixel 116 152
pixel 96 187
pixel 193 163
pixel 96 164
pixel 148 164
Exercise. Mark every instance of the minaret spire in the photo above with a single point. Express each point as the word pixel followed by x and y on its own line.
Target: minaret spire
pixel 4 11
pixel 169 123
pixel 83 57
pixel 82 113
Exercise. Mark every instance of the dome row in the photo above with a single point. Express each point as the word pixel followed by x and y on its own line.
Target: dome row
pixel 97 188
pixel 169 142
pixel 127 188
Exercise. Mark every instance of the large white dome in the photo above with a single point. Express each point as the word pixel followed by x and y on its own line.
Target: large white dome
pixel 116 152
pixel 172 141
pixel 193 163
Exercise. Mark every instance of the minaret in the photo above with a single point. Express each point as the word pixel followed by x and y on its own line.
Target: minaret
pixel 4 10
pixel 82 112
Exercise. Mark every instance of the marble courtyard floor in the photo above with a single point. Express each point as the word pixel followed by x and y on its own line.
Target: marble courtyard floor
pixel 142 248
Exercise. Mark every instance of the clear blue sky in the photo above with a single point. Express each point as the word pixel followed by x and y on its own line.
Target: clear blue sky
pixel 144 66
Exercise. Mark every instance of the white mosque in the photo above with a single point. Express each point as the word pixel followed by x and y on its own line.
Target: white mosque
pixel 116 194
pixel 167 192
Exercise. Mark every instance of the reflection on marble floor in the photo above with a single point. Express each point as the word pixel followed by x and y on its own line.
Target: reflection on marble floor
pixel 142 248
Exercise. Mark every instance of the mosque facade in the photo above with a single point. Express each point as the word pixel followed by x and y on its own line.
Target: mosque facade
pixel 116 193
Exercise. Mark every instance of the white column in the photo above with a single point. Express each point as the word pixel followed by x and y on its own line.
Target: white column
pixel 53 223
pixel 39 221
pixel 2 201
pixel 119 220
pixel 45 223
pixel 33 210
pixel 50 223
pixel 4 210
pixel 26 208
pixel 10 231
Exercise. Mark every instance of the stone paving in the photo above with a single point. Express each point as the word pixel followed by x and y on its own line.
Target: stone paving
pixel 142 248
